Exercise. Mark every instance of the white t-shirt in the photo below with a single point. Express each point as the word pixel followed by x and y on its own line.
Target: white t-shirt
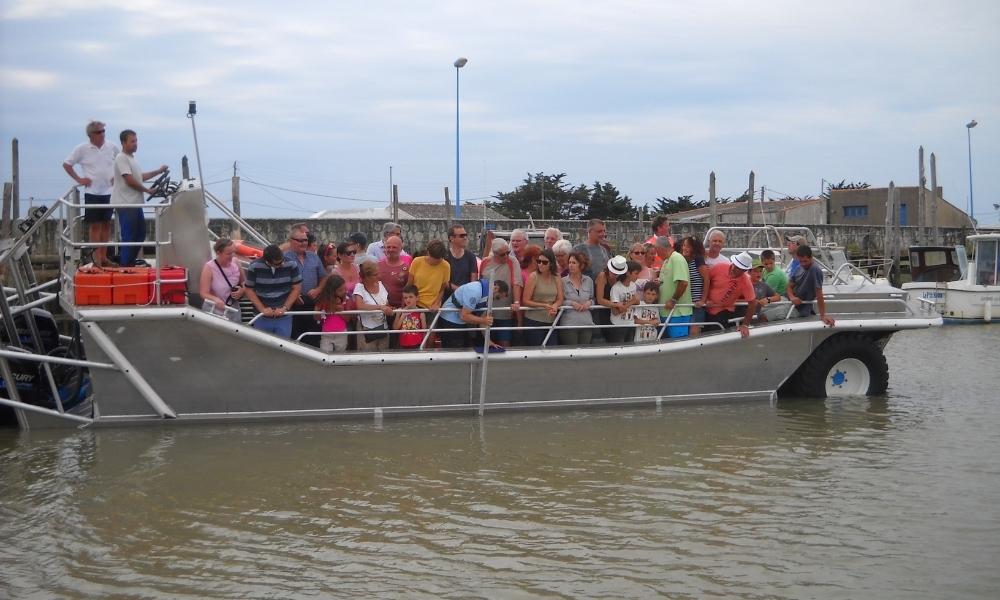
pixel 622 293
pixel 123 193
pixel 721 258
pixel 646 312
pixel 98 164
pixel 372 320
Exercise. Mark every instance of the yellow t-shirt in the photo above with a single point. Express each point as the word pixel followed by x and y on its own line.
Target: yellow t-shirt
pixel 429 279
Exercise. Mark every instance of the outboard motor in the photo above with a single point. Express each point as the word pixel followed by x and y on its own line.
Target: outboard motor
pixel 30 379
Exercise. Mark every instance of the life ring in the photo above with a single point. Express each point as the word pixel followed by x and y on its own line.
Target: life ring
pixel 244 249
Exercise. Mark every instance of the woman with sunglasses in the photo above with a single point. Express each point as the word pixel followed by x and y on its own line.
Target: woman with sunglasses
pixel 638 253
pixel 345 266
pixel 543 295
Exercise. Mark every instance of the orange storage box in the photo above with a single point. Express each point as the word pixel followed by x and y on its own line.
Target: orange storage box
pixel 132 286
pixel 173 285
pixel 92 287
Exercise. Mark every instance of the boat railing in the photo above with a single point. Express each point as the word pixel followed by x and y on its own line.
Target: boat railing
pixel 555 326
pixel 73 248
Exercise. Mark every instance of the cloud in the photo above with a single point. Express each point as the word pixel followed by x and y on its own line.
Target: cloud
pixel 34 80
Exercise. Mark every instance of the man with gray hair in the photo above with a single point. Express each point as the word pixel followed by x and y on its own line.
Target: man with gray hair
pixel 518 243
pixel 596 249
pixel 552 235
pixel 500 266
pixel 377 249
pixel 713 254
pixel 96 158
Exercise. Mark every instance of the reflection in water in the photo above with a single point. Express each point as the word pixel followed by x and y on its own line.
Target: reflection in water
pixel 895 496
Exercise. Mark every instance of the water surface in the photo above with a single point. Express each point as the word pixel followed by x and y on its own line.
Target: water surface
pixel 890 497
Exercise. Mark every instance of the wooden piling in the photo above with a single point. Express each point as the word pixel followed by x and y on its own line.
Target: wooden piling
pixel 934 200
pixel 711 200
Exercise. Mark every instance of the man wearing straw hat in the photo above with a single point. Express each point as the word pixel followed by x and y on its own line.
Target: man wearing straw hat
pixel 728 283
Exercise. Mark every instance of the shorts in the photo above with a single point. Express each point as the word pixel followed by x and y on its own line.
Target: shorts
pixel 679 330
pixel 698 315
pixel 97 215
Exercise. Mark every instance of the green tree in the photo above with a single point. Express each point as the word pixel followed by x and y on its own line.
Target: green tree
pixel 542 196
pixel 669 206
pixel 606 202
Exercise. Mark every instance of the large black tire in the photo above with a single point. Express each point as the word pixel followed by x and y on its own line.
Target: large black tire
pixel 841 364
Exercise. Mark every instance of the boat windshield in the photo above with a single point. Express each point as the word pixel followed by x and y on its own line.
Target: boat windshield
pixel 986 262
pixel 934 265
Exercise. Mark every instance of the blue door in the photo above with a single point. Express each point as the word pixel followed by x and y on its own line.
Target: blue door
pixel 902 214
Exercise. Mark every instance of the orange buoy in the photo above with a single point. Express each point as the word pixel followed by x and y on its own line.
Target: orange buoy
pixel 244 249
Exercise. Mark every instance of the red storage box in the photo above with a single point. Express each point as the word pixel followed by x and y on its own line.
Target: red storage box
pixel 173 285
pixel 132 286
pixel 92 287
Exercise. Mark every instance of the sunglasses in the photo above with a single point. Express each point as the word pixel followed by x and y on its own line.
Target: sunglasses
pixel 350 252
pixel 543 262
pixel 638 252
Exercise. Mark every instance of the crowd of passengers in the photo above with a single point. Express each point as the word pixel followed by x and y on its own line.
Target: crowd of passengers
pixel 659 288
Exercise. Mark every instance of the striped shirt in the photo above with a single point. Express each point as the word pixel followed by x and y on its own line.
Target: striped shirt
pixel 697 285
pixel 272 284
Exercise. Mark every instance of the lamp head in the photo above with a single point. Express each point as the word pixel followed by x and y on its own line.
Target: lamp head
pixel 461 62
pixel 971 124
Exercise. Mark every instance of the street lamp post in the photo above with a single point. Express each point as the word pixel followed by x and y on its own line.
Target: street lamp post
pixel 972 205
pixel 458 176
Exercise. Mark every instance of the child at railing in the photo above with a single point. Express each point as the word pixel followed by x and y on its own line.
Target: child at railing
pixel 410 320
pixel 647 315
pixel 624 295
pixel 332 299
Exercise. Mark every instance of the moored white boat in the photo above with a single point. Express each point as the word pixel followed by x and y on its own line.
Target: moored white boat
pixel 960 291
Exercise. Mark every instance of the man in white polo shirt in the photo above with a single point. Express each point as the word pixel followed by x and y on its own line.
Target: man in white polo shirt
pixel 96 158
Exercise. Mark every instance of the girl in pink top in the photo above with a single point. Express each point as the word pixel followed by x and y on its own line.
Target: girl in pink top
pixel 331 301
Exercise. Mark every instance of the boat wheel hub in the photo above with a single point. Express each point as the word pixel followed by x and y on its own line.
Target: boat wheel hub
pixel 848 377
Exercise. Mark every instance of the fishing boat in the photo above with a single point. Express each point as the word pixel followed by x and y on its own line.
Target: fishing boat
pixel 958 290
pixel 163 360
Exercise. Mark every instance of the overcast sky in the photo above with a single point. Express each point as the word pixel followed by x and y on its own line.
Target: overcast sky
pixel 651 96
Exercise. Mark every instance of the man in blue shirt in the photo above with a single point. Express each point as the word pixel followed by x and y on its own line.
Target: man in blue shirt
pixel 806 285
pixel 273 284
pixel 313 277
pixel 468 299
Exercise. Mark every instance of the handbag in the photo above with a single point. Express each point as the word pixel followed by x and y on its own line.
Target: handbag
pixel 232 288
pixel 374 337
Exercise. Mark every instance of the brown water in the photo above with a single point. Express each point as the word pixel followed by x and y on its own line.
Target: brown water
pixel 893 497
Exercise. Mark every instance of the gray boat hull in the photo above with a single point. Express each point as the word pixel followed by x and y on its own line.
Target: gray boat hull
pixel 205 368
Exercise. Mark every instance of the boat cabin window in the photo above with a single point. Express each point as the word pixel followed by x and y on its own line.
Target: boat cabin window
pixel 934 264
pixel 986 262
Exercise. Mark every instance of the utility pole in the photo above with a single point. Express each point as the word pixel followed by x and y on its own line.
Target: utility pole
pixel 447 204
pixel 934 200
pixel 711 200
pixel 921 194
pixel 237 231
pixel 395 202
pixel 750 200
pixel 16 181
pixel 541 182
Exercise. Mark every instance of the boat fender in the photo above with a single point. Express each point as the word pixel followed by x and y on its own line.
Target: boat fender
pixel 244 249
pixel 988 311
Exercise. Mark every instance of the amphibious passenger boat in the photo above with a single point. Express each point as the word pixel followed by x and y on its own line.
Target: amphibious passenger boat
pixel 157 358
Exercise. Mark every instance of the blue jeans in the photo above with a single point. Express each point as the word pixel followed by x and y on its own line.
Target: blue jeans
pixel 132 224
pixel 280 326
